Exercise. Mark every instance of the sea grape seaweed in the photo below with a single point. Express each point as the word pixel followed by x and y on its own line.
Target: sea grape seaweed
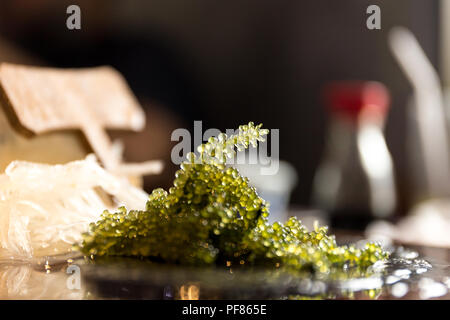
pixel 212 216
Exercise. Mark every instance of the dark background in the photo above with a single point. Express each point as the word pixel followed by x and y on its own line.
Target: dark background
pixel 230 62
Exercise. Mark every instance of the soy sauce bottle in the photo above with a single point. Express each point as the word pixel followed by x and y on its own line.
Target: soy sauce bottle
pixel 354 182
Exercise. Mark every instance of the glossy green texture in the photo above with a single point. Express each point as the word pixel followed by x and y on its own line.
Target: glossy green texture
pixel 212 216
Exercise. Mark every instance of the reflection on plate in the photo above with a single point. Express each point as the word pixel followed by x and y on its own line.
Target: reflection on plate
pixel 404 275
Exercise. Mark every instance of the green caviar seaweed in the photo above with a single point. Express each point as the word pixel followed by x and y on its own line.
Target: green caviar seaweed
pixel 212 216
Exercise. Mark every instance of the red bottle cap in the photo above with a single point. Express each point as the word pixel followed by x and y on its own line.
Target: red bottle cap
pixel 352 98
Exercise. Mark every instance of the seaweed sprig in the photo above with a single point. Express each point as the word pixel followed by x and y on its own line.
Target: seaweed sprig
pixel 213 216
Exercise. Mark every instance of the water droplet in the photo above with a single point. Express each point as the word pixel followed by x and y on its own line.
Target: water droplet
pixel 399 289
pixel 402 273
pixel 431 289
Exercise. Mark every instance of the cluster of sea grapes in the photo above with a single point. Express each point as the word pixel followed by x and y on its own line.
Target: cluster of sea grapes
pixel 212 215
